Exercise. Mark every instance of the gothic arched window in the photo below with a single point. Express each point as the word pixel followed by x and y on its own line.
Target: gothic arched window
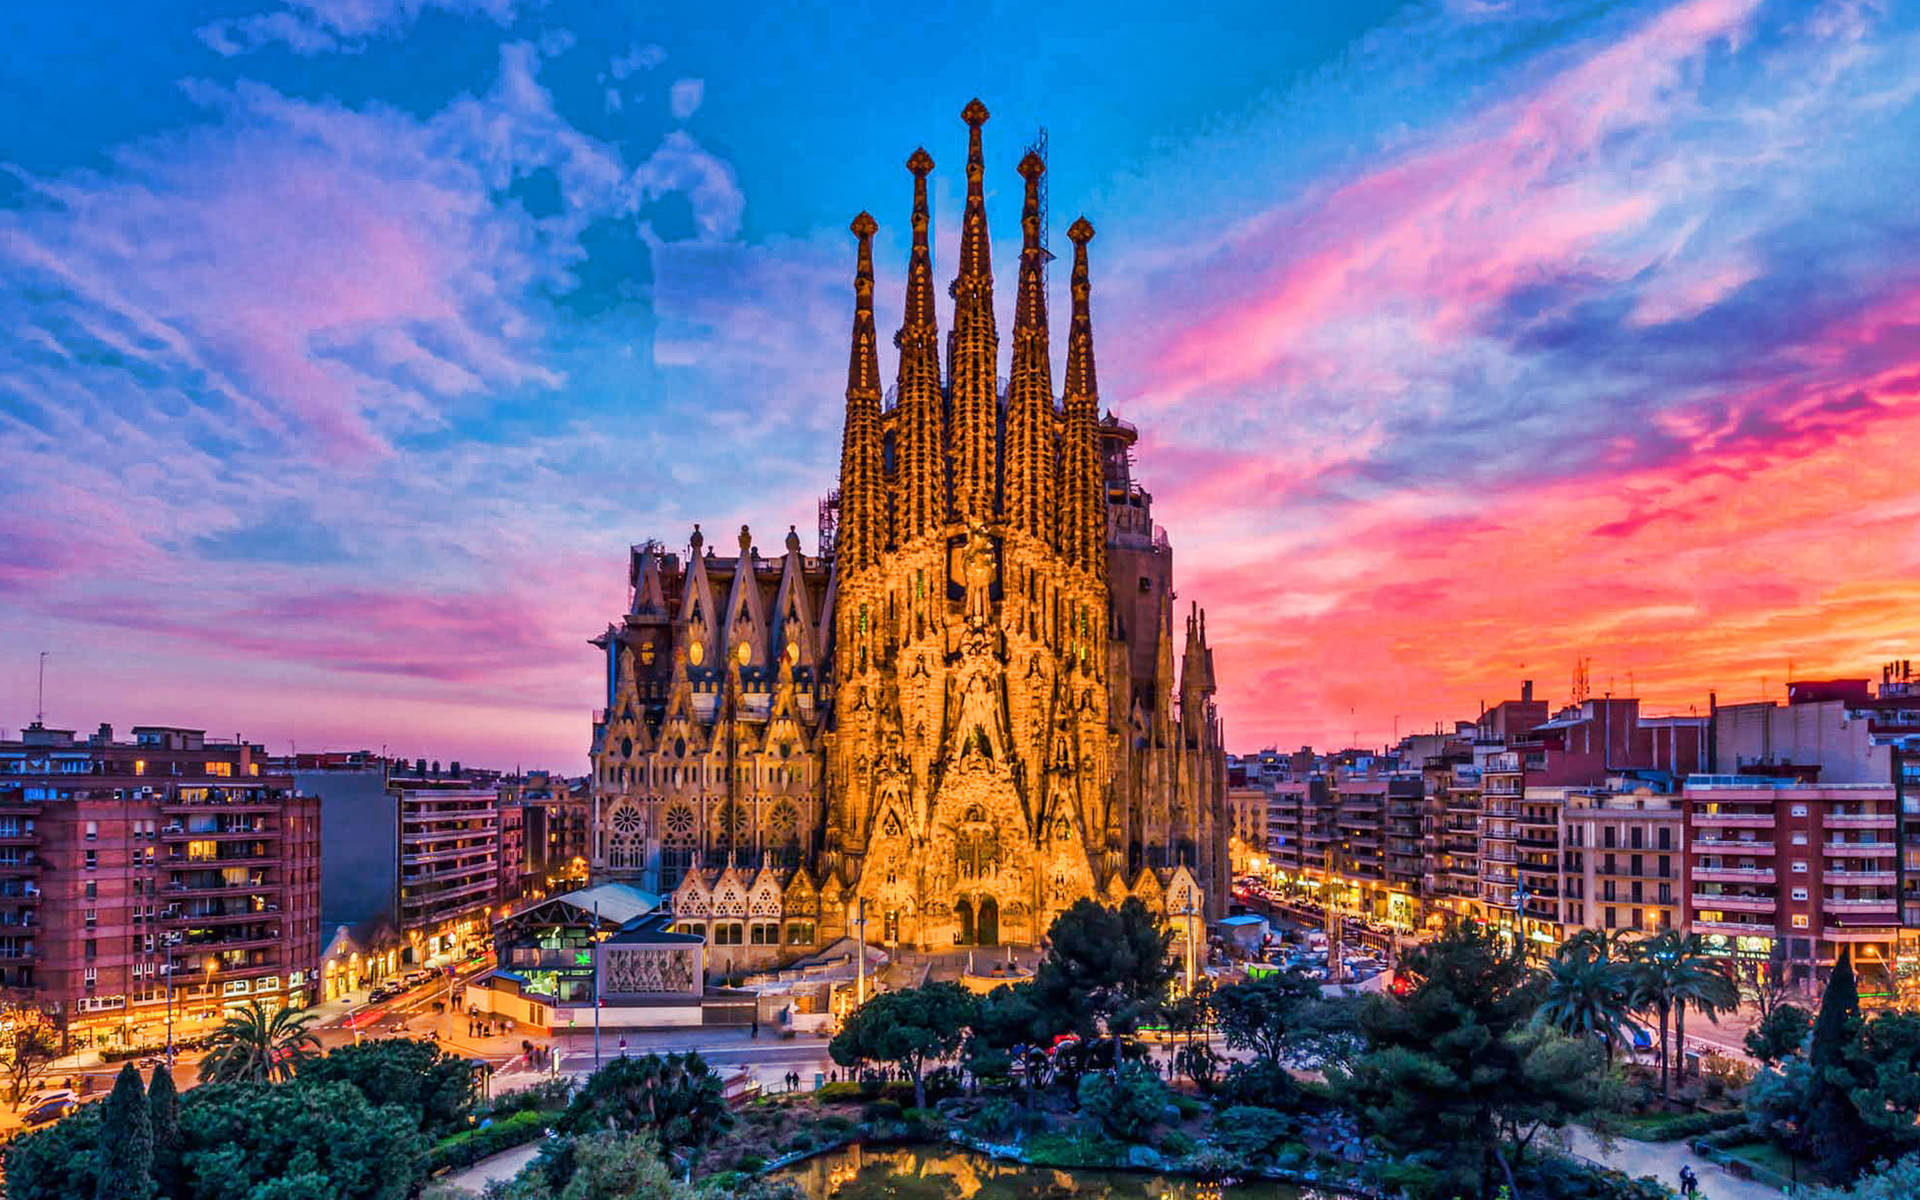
pixel 626 847
pixel 676 847
pixel 783 835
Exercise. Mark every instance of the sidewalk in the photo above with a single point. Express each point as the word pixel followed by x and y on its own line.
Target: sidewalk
pixel 1663 1161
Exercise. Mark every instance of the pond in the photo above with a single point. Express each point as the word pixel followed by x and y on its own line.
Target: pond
pixel 945 1173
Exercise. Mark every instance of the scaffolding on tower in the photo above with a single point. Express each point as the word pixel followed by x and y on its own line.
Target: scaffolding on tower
pixel 829 521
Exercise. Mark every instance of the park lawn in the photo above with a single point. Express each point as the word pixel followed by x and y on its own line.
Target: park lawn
pixel 1771 1164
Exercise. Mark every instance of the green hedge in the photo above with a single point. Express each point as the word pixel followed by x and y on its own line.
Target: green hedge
pixel 1681 1126
pixel 469 1146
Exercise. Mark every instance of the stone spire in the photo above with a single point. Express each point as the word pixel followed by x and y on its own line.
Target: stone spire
pixel 863 516
pixel 1030 465
pixel 1084 486
pixel 922 466
pixel 973 347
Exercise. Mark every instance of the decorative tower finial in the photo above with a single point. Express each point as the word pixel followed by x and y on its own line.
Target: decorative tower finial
pixel 1086 507
pixel 862 532
pixel 923 438
pixel 1030 457
pixel 973 347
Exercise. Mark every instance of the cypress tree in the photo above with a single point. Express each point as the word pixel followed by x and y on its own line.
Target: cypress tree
pixel 163 1110
pixel 1834 1132
pixel 126 1141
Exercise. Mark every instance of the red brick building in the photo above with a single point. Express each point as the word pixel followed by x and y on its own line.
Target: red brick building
pixel 1808 866
pixel 126 863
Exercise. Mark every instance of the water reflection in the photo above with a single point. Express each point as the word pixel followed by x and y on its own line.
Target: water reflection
pixel 943 1173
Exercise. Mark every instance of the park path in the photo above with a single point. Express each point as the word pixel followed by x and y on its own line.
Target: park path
pixel 1663 1161
pixel 502 1166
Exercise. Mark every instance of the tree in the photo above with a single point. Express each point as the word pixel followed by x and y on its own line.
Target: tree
pixel 1782 1032
pixel 1006 1020
pixel 29 1042
pixel 677 1099
pixel 163 1113
pixel 440 1088
pixel 126 1141
pixel 1106 969
pixel 1763 982
pixel 1885 1064
pixel 1888 1181
pixel 1673 971
pixel 1456 1075
pixel 1703 982
pixel 1833 1130
pixel 908 1028
pixel 250 1141
pixel 259 1046
pixel 1587 993
pixel 1265 1017
pixel 57 1162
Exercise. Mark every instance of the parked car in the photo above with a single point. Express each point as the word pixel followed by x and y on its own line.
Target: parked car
pixel 50 1096
pixel 47 1113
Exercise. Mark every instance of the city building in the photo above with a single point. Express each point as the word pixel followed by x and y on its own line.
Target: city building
pixel 1810 868
pixel 1625 859
pixel 974 705
pixel 449 856
pixel 155 883
pixel 1246 821
pixel 556 815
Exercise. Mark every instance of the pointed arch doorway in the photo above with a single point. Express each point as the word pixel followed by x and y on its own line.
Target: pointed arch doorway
pixel 987 924
pixel 963 913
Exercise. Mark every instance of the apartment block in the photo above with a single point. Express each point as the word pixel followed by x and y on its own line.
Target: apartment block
pixel 1810 867
pixel 166 879
pixel 449 855
pixel 1624 859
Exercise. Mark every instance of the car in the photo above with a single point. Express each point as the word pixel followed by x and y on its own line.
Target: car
pixel 50 1096
pixel 47 1113
pixel 381 995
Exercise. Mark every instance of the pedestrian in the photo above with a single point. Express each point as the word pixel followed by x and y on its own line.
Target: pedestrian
pixel 756 1027
pixel 1689 1182
pixel 623 1047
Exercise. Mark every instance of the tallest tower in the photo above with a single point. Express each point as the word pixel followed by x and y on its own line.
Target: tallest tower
pixel 973 348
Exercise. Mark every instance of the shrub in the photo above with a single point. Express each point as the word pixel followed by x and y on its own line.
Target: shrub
pixel 883 1110
pixel 998 1118
pixel 1723 1074
pixel 1254 1134
pixel 1177 1143
pixel 471 1145
pixel 1683 1125
pixel 1127 1102
pixel 1076 1146
pixel 548 1096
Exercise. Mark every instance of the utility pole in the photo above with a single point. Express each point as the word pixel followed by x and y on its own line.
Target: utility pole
pixel 40 699
pixel 596 985
pixel 170 940
pixel 860 970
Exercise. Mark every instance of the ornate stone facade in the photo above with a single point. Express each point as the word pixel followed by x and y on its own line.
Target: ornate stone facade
pixel 964 711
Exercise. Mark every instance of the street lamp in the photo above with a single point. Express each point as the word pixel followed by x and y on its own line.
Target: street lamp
pixel 212 963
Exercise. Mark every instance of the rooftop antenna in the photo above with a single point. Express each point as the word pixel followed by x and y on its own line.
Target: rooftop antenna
pixel 1582 683
pixel 40 700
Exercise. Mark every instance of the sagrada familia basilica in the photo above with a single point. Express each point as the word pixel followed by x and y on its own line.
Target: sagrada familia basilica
pixel 961 715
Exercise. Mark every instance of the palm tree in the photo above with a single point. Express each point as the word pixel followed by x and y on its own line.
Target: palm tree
pixel 1653 983
pixel 1587 991
pixel 257 1046
pixel 1704 981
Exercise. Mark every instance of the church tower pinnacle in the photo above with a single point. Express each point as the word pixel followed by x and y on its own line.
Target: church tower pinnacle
pixel 863 511
pixel 973 347
pixel 1030 468
pixel 923 471
pixel 1084 485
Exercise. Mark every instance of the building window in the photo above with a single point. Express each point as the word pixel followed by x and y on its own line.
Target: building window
pixel 91 917
pixel 93 951
pixel 93 890
pixel 1799 893
pixel 93 831
pixel 1665 840
pixel 799 933
pixel 93 973
pixel 728 933
pixel 1799 837
pixel 1799 810
pixel 764 934
pixel 93 860
pixel 1799 866
pixel 1799 920
pixel 1612 918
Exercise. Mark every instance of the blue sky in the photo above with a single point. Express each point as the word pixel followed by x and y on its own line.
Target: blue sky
pixel 353 340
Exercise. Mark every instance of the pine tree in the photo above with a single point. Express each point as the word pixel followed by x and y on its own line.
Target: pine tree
pixel 163 1109
pixel 126 1141
pixel 1834 1132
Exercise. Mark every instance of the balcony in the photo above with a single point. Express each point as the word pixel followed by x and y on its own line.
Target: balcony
pixel 1862 878
pixel 1726 820
pixel 1858 821
pixel 1730 903
pixel 1733 847
pixel 1861 849
pixel 1737 928
pixel 1733 874
pixel 178 833
pixel 1889 905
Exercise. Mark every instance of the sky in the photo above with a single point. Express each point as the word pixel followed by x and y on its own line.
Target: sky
pixel 349 343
